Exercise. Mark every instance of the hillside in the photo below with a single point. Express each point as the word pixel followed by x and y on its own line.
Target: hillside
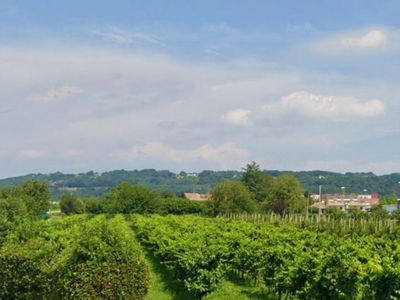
pixel 92 184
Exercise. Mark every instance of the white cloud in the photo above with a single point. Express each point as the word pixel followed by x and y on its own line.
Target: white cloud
pixel 55 94
pixel 72 152
pixel 372 39
pixel 34 153
pixel 122 36
pixel 359 42
pixel 220 154
pixel 255 88
pixel 317 106
pixel 239 117
pixel 155 101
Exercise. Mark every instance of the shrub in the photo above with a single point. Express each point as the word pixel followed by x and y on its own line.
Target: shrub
pixel 73 258
pixel 104 263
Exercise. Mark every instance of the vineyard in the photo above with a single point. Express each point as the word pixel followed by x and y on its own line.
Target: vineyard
pixel 73 258
pixel 289 260
pixel 261 256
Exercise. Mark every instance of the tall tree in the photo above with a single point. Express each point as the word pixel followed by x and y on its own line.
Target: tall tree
pixel 231 197
pixel 38 196
pixel 130 198
pixel 256 181
pixel 286 195
pixel 34 194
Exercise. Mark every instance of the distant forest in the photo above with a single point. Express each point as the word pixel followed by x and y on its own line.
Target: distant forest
pixel 92 184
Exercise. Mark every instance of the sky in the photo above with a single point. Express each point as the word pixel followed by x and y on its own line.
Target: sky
pixel 199 85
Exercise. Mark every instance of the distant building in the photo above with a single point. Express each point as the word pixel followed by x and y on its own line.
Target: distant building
pixel 345 201
pixel 185 175
pixel 197 196
pixel 192 175
pixel 70 189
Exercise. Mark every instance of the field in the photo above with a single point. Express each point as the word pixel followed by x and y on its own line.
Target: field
pixel 191 257
pixel 225 258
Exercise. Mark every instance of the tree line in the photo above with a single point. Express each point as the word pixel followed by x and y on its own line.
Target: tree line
pixel 92 184
pixel 253 191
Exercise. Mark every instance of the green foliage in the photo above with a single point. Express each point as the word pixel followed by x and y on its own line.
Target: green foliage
pixel 256 181
pixel 13 209
pixel 70 204
pixel 166 194
pixel 335 212
pixel 73 258
pixel 391 199
pixel 294 262
pixel 162 206
pixel 91 184
pixel 24 273
pixel 195 255
pixel 29 257
pixel 35 196
pixel 230 197
pixel 97 206
pixel 286 196
pixel 180 206
pixel 104 263
pixel 357 213
pixel 29 201
pixel 378 212
pixel 396 215
pixel 129 198
pixel 38 197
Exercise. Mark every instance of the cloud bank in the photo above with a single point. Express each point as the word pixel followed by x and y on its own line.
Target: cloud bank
pixel 317 106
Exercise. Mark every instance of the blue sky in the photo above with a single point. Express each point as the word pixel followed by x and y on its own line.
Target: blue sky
pixel 180 85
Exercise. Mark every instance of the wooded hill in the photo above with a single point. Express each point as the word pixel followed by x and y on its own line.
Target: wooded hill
pixel 93 184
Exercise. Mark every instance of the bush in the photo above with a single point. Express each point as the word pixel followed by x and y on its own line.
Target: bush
pixel 180 206
pixel 71 204
pixel 73 258
pixel 97 206
pixel 105 263
pixel 23 272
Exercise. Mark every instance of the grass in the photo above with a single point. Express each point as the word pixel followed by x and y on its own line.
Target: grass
pixel 162 284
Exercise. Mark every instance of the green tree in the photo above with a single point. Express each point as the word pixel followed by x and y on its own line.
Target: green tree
pixel 391 199
pixel 70 204
pixel 180 206
pixel 231 197
pixel 39 197
pixel 35 196
pixel 378 212
pixel 335 212
pixel 256 181
pixel 129 198
pixel 12 212
pixel 12 209
pixel 166 194
pixel 396 215
pixel 96 205
pixel 357 213
pixel 286 196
